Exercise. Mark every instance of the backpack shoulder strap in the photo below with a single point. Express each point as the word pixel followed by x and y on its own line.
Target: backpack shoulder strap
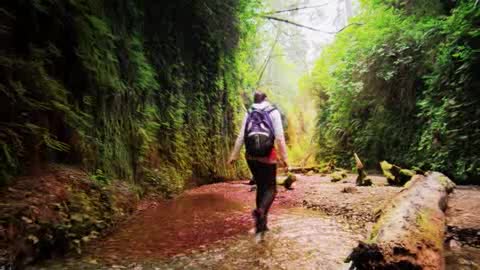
pixel 270 108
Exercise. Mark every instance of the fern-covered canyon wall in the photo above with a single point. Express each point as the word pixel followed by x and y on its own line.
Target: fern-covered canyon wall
pixel 146 91
pixel 401 83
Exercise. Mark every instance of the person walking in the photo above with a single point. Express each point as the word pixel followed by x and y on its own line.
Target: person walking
pixel 261 130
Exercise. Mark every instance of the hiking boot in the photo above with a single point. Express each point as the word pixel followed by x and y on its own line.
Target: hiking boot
pixel 259 237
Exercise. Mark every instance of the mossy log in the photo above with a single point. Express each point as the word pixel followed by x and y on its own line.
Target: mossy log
pixel 396 176
pixel 326 168
pixel 304 170
pixel 410 230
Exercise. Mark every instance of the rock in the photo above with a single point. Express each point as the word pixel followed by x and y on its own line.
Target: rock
pixel 366 182
pixel 350 190
pixel 454 245
pixel 396 176
pixel 338 175
pixel 288 181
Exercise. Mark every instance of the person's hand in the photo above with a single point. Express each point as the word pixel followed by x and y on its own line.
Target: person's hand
pixel 231 161
pixel 285 164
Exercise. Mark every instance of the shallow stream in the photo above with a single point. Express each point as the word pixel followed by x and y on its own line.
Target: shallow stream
pixel 210 227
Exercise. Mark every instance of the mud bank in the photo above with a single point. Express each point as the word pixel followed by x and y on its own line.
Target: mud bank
pixel 59 211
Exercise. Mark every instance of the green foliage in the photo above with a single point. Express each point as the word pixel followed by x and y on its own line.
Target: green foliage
pixel 100 177
pixel 132 89
pixel 400 87
pixel 450 104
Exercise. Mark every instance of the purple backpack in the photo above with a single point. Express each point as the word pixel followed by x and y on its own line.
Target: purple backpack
pixel 259 132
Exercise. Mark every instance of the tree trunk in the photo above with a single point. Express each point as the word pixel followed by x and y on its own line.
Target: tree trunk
pixel 409 233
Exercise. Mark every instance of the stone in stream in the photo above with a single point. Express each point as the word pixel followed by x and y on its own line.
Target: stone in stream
pixel 453 244
pixel 338 175
pixel 288 181
pixel 349 190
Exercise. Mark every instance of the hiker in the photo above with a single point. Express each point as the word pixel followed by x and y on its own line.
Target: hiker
pixel 261 129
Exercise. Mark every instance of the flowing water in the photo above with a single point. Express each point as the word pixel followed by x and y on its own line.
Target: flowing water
pixel 298 239
pixel 212 229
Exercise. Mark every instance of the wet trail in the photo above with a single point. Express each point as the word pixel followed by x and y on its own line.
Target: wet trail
pixel 462 243
pixel 210 227
pixel 299 239
pixel 196 219
pixel 314 226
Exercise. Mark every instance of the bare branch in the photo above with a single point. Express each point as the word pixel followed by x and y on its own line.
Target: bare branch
pixel 269 56
pixel 294 9
pixel 308 27
pixel 290 22
pixel 352 24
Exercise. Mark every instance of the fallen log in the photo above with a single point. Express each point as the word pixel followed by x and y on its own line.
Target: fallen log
pixel 304 169
pixel 325 168
pixel 410 230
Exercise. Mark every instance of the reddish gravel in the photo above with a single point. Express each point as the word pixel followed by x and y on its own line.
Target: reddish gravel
pixel 196 218
pixel 204 215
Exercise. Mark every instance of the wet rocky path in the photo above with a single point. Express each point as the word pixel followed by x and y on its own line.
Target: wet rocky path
pixel 210 227
pixel 462 243
pixel 314 226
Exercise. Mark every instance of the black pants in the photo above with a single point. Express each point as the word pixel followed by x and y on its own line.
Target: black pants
pixel 265 177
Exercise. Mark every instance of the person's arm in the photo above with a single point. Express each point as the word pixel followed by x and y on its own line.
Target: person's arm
pixel 279 136
pixel 238 142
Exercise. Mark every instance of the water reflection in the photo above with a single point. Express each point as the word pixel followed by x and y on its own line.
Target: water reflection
pixel 167 228
pixel 299 239
pixel 211 228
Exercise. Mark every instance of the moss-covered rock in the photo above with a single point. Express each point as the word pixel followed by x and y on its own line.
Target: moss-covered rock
pixel 396 176
pixel 338 175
